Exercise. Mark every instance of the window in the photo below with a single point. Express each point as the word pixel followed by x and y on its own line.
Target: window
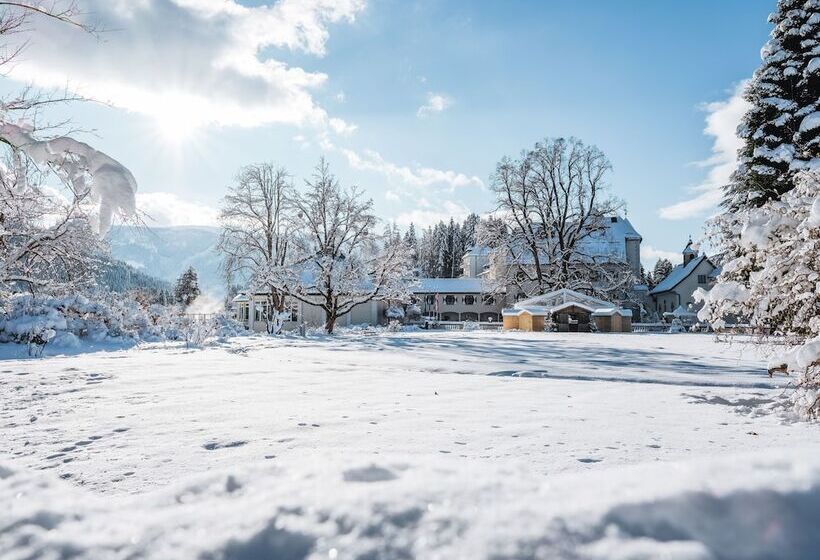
pixel 469 300
pixel 449 299
pixel 292 307
pixel 614 219
pixel 520 296
pixel 431 299
pixel 488 299
pixel 259 312
pixel 701 279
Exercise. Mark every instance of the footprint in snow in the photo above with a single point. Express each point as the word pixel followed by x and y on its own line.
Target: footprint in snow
pixel 589 460
pixel 373 473
pixel 210 446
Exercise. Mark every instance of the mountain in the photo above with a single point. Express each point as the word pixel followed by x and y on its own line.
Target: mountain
pixel 119 276
pixel 165 252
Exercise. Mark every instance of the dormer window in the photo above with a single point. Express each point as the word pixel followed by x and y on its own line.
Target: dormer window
pixel 614 219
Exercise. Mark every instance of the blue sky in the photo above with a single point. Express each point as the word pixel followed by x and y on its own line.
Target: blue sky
pixel 413 101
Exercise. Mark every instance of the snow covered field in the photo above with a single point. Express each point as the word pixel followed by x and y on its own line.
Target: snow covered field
pixel 428 445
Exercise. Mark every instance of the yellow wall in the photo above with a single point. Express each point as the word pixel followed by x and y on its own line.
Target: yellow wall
pixel 525 322
pixel 510 322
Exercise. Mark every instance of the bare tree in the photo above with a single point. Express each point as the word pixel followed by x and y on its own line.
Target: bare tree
pixel 49 236
pixel 257 223
pixel 555 203
pixel 45 239
pixel 338 260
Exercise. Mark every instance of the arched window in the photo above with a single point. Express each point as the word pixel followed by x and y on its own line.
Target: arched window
pixel 488 299
pixel 450 299
pixel 469 300
pixel 431 299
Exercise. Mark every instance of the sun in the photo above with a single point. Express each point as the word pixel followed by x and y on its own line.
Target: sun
pixel 178 121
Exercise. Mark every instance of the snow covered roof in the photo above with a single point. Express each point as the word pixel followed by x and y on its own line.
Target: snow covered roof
pixel 240 297
pixel 681 311
pixel 678 275
pixel 558 300
pixel 608 243
pixel 449 286
pixel 609 312
pixel 562 296
pixel 478 251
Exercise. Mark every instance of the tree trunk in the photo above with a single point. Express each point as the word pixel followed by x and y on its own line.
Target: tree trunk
pixel 330 322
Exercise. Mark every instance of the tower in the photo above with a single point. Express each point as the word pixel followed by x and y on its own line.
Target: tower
pixel 689 253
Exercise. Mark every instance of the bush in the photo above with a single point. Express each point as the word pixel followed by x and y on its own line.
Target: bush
pixel 65 321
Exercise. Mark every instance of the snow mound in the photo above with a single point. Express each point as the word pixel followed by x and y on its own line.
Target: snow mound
pixel 750 506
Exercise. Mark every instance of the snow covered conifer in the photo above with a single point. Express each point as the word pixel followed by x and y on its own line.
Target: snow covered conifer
pixel 774 281
pixel 662 269
pixel 782 129
pixel 412 242
pixel 187 287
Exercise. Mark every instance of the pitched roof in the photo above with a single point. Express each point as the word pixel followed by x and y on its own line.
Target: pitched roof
pixel 562 296
pixel 678 275
pixel 448 286
pixel 478 251
pixel 607 242
pixel 612 311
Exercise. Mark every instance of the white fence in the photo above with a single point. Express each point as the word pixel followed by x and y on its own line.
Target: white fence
pixel 650 327
pixel 459 325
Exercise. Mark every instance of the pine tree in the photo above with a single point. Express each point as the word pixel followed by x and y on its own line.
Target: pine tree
pixel 428 253
pixel 187 287
pixel 412 241
pixel 468 230
pixel 782 129
pixel 662 269
pixel 646 278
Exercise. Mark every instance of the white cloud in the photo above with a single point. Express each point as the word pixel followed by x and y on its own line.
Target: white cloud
pixel 650 255
pixel 342 128
pixel 423 218
pixel 392 196
pixel 168 209
pixel 191 62
pixel 436 103
pixel 721 124
pixel 370 160
pixel 301 141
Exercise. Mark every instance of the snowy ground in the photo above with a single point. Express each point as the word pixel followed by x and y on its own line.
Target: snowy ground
pixel 407 445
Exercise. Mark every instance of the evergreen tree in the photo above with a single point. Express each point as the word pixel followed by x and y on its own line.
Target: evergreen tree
pixel 646 278
pixel 440 248
pixel 662 269
pixel 187 287
pixel 450 249
pixel 412 241
pixel 468 230
pixel 428 253
pixel 781 131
